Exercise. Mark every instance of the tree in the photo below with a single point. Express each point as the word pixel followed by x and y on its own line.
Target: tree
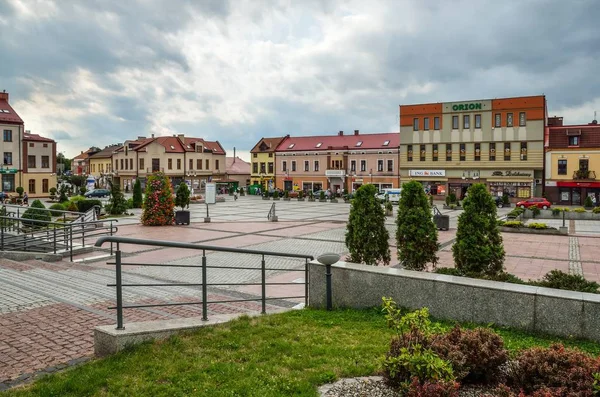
pixel 182 197
pixel 137 194
pixel 158 203
pixel 82 190
pixel 36 212
pixel 478 248
pixel 63 194
pixel 416 235
pixel 77 180
pixel 117 203
pixel 20 191
pixel 366 235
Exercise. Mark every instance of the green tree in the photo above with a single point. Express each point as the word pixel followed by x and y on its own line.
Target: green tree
pixel 182 197
pixel 63 194
pixel 416 235
pixel 137 194
pixel 478 248
pixel 36 212
pixel 77 180
pixel 20 191
pixel 158 203
pixel 82 190
pixel 117 203
pixel 366 235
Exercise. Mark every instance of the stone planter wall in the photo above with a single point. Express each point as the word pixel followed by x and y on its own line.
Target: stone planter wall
pixel 526 230
pixel 547 214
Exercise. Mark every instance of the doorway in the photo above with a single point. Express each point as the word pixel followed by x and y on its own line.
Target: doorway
pixel 287 185
pixel 155 165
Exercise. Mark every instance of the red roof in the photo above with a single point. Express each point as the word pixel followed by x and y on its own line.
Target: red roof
pixel 35 137
pixel 174 144
pixel 7 113
pixel 237 167
pixel 270 144
pixel 347 142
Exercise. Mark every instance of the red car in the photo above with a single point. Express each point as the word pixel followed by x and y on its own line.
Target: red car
pixel 534 202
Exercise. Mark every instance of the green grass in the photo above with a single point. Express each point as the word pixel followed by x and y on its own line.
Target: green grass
pixel 286 354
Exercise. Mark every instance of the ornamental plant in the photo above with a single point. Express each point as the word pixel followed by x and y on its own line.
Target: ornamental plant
pixel 158 203
pixel 36 212
pixel 366 235
pixel 117 203
pixel 182 197
pixel 416 235
pixel 137 194
pixel 478 248
pixel 20 191
pixel 588 202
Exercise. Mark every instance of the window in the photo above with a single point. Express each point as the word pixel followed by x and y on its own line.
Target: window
pixel 463 152
pixel 379 165
pixel 130 163
pixel 32 186
pixel 254 155
pixel 199 164
pixel 142 164
pixel 169 164
pixel 207 165
pixel 415 124
pixel 293 166
pixel 306 166
pixel 116 164
pixel 191 164
pixel 497 120
pixel 93 167
pixel 217 165
pixel 390 165
pixel 31 144
pixel 359 143
pixel 291 146
pixel 477 151
pixel 409 152
pixel 44 185
pixel 353 166
pixel 422 153
pixel 8 182
pixel 123 167
pixel 284 166
pixel 316 166
pixel 522 119
pixel 7 158
pixel 45 145
pixel 270 154
pixel 178 164
pixel 509 119
pixel 435 152
pixel 7 135
pixel 254 167
pixel 363 165
pixel 271 165
pixel 562 167
pixel 436 123
pixel 426 123
pixel 523 151
pixel 31 161
pixel 492 151
pixel 448 152
pixel 477 121
pixel 454 122
pixel 466 122
pixel 507 151
pixel 573 141
pixel 319 144
pixel 263 168
pixel 386 143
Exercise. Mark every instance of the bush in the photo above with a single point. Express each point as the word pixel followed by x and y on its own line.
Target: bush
pixel 286 194
pixel 57 207
pixel 72 206
pixel 450 271
pixel 579 210
pixel 555 211
pixel 276 194
pixel 388 206
pixel 322 195
pixel 448 201
pixel 366 235
pixel 476 355
pixel 300 194
pixel 596 210
pixel 534 225
pixel 20 191
pixel 504 277
pixel 137 194
pixel 118 204
pixel 515 224
pixel 182 197
pixel 129 203
pixel 311 195
pixel 478 247
pixel 36 212
pixel 87 204
pixel 82 190
pixel 535 211
pixel 505 199
pixel 554 368
pixel 588 202
pixel 452 197
pixel 63 194
pixel 573 282
pixel 416 235
pixel 431 200
pixel 158 203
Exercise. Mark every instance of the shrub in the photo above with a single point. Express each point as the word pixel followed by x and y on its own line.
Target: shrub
pixel 158 203
pixel 57 207
pixel 505 199
pixel 573 282
pixel 388 206
pixel 588 202
pixel 118 204
pixel 476 355
pixel 505 278
pixel 448 200
pixel 137 194
pixel 535 211
pixel 478 247
pixel 72 206
pixel 431 200
pixel 322 195
pixel 596 210
pixel 416 235
pixel 555 211
pixel 182 197
pixel 579 210
pixel 82 190
pixel 534 225
pixel 450 271
pixel 276 194
pixel 554 368
pixel 286 194
pixel 36 212
pixel 129 203
pixel 20 191
pixel 300 194
pixel 63 194
pixel 87 204
pixel 366 235
pixel 311 195
pixel 452 198
pixel 515 224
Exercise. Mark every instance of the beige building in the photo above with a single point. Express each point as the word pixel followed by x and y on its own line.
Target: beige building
pixel 39 171
pixel 13 129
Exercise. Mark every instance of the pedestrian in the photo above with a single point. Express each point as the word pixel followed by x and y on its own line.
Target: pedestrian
pixel 339 192
pixel 26 199
pixel 235 195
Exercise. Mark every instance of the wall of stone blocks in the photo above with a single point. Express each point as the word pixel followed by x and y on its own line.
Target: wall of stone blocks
pixel 551 311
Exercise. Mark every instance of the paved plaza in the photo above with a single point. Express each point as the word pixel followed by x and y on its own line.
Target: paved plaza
pixel 48 310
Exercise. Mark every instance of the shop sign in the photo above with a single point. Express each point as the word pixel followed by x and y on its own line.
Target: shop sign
pixel 427 173
pixel 511 173
pixel 466 107
pixel 550 183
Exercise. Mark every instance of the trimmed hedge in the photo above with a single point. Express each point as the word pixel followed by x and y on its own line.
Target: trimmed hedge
pixel 85 205
pixel 58 207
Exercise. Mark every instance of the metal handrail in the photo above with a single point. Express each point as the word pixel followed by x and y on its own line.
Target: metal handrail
pixel 26 208
pixel 204 302
pixel 271 211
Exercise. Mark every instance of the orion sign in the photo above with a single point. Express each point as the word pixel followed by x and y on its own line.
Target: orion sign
pixel 466 106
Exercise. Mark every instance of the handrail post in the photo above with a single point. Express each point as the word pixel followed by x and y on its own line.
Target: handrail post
pixel 204 292
pixel 54 238
pixel 71 238
pixel 119 289
pixel 82 235
pixel 328 287
pixel 111 233
pixel 18 222
pixel 263 285
pixel 2 238
pixel 306 282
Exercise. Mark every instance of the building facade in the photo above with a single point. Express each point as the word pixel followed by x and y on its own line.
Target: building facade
pixel 499 142
pixel 13 129
pixel 81 163
pixel 39 169
pixel 238 171
pixel 572 162
pixel 100 165
pixel 338 162
pixel 263 162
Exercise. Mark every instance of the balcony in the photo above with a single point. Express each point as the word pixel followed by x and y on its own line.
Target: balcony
pixel 154 169
pixel 584 175
pixel 335 173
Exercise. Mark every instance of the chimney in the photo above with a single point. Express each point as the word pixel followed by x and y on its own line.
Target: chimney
pixel 181 137
pixel 141 137
pixel 4 95
pixel 152 136
pixel 341 133
pixel 234 154
pixel 82 152
pixel 355 132
pixel 555 121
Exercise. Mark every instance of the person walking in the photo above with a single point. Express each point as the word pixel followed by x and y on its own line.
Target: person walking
pixel 26 199
pixel 235 195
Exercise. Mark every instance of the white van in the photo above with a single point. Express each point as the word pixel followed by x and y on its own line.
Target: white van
pixel 393 195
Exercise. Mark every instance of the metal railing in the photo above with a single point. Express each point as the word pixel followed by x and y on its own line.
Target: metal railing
pixel 584 174
pixel 271 212
pixel 33 235
pixel 205 284
pixel 18 210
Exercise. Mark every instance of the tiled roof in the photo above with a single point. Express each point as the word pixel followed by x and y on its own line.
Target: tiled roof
pixel 237 167
pixel 589 136
pixel 346 142
pixel 83 155
pixel 35 138
pixel 8 114
pixel 271 144
pixel 107 152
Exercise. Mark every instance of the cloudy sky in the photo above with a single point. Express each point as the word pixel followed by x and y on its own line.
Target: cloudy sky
pixel 96 72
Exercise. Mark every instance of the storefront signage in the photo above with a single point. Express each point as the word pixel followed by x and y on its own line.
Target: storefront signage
pixel 466 106
pixel 427 172
pixel 511 173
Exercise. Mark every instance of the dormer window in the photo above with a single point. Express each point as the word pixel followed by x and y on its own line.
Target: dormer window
pixel 319 144
pixel 4 111
pixel 172 147
pixel 291 146
pixel 386 143
pixel 359 143
pixel 189 147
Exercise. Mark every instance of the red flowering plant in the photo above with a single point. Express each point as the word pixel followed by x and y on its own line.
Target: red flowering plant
pixel 158 203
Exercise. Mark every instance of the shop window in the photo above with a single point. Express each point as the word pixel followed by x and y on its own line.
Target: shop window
pixel 509 119
pixel 574 140
pixel 31 186
pixel 523 151
pixel 463 152
pixel 390 165
pixel 454 122
pixel 316 166
pixel 436 123
pixel 415 124
pixel 422 153
pixel 448 152
pixel 498 120
pixel 380 165
pixel 293 166
pixel 426 123
pixel 477 121
pixel 466 122
pixel 435 152
pixel 8 182
pixel 409 153
pixel 492 151
pixel 44 185
pixel 477 151
pixel 524 192
pixel 522 119
pixel 507 151
pixel 284 166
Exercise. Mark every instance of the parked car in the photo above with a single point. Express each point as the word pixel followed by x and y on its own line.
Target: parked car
pixel 97 193
pixel 539 202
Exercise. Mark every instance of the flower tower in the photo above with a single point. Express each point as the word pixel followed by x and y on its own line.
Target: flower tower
pixel 158 203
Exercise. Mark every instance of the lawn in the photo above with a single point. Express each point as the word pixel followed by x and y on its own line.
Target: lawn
pixel 277 355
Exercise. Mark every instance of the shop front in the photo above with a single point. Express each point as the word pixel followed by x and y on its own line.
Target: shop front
pixel 575 193
pixel 434 181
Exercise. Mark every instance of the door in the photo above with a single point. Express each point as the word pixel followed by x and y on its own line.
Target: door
pixel 287 185
pixel 576 197
pixel 155 165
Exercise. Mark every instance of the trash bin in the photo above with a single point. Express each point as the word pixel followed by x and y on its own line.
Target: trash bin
pixel 442 222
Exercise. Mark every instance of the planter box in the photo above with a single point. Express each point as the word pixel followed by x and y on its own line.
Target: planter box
pixel 447 207
pixel 311 199
pixel 266 198
pixel 334 200
pixel 442 222
pixel 322 200
pixel 579 216
pixel 182 217
pixel 526 230
pixel 286 199
pixel 276 198
pixel 389 213
pixel 300 199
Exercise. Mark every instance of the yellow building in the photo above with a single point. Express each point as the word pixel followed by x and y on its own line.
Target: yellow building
pixel 100 164
pixel 263 162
